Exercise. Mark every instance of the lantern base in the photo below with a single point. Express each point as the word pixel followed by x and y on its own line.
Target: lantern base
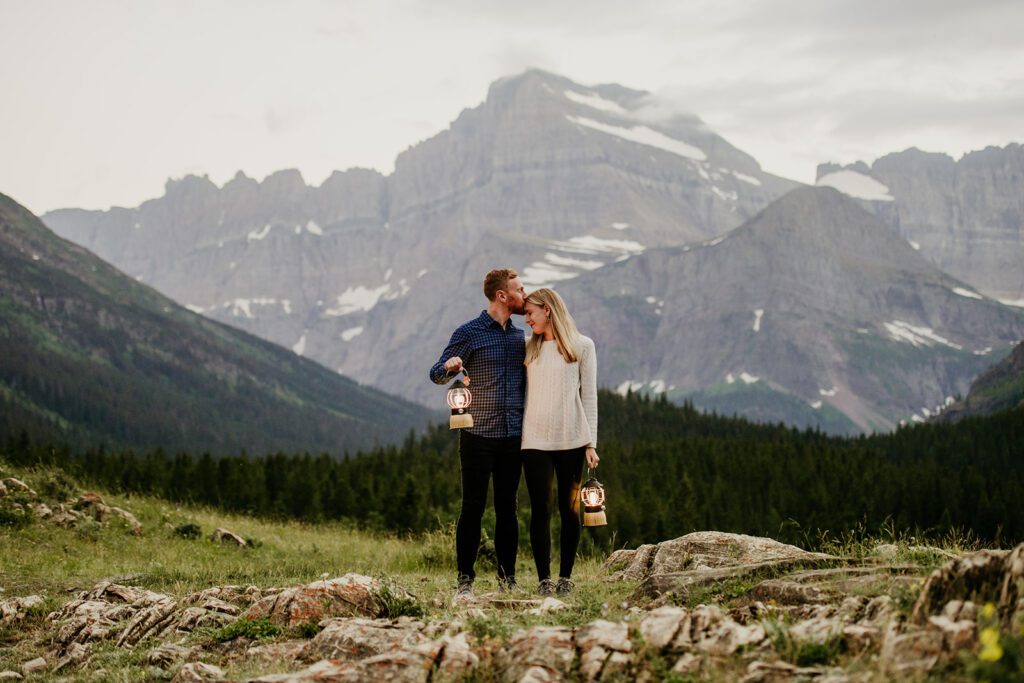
pixel 594 518
pixel 460 421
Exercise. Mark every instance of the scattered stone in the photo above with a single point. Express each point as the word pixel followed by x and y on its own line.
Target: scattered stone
pixel 688 664
pixel 227 537
pixel 3 489
pixel 705 550
pixel 33 665
pixel 41 510
pixel 11 676
pixel 12 485
pixel 64 516
pixel 238 595
pixel 134 526
pixel 167 654
pixel 196 672
pixel 92 504
pixel 350 595
pixel 17 608
pixel 282 651
pixel 547 606
pixel 76 655
pixel 769 672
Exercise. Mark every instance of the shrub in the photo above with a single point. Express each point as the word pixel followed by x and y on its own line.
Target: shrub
pixel 248 628
pixel 190 530
pixel 393 602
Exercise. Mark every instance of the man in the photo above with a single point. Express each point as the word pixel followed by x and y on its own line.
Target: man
pixel 491 350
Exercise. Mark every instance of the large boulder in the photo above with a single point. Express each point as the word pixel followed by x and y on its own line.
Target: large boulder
pixel 985 576
pixel 358 638
pixel 351 595
pixel 704 550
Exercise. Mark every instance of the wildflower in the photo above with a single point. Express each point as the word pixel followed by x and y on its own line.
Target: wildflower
pixel 988 611
pixel 991 651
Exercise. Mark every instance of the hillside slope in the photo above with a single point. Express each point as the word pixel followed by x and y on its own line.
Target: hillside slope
pixel 88 356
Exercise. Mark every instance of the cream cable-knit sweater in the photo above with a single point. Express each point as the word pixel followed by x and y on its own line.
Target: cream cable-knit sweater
pixel 561 399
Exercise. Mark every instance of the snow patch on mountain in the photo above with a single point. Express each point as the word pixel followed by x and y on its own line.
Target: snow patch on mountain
pixel 620 226
pixel 915 245
pixel 967 293
pixel 194 308
pixel 746 178
pixel 644 136
pixel 856 185
pixel 729 196
pixel 917 335
pixel 747 378
pixel 300 346
pixel 657 386
pixel 816 404
pixel 572 262
pixel 757 319
pixel 259 234
pixel 1019 303
pixel 596 102
pixel 627 386
pixel 351 333
pixel 314 229
pixel 358 298
pixel 828 392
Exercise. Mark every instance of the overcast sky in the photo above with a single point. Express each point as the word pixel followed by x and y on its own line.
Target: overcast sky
pixel 103 100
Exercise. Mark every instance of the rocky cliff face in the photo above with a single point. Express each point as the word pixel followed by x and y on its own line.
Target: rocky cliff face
pixel 812 312
pixel 369 274
pixel 966 216
pixel 574 186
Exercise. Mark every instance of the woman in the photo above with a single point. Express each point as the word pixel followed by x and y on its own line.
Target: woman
pixel 559 429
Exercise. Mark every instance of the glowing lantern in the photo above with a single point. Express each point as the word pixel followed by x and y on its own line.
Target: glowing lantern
pixel 459 399
pixel 592 495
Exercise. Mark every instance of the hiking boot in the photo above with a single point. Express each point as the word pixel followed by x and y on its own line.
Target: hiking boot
pixel 508 585
pixel 564 586
pixel 464 591
pixel 545 587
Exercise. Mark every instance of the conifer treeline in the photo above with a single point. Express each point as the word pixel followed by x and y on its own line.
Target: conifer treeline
pixel 667 470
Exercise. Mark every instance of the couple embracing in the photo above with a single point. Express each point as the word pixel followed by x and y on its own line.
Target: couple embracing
pixel 535 412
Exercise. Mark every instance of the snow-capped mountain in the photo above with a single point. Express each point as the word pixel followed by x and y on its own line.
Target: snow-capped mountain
pixel 813 312
pixel 572 186
pixel 966 216
pixel 368 274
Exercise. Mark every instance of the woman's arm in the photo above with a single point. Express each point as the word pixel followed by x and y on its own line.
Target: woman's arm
pixel 588 387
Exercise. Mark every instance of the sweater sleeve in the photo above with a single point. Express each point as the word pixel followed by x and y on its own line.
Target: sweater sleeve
pixel 588 387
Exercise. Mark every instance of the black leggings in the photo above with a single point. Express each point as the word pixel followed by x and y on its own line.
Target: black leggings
pixel 540 468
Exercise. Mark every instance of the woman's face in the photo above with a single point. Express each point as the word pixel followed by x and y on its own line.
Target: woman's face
pixel 537 318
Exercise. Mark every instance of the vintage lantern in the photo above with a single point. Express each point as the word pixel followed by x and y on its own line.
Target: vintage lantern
pixel 592 495
pixel 459 399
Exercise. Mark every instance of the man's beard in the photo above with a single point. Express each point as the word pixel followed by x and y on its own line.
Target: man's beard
pixel 520 309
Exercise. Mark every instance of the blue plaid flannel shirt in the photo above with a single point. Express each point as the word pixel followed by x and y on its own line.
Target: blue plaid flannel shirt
pixel 493 357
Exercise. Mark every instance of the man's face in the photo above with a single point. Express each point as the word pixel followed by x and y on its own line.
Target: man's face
pixel 514 296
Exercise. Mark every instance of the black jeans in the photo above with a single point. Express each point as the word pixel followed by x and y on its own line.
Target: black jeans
pixel 540 468
pixel 481 457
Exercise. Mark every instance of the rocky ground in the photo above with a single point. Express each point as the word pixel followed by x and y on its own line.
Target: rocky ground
pixel 708 605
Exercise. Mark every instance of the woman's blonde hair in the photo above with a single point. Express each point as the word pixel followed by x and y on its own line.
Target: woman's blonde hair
pixel 563 327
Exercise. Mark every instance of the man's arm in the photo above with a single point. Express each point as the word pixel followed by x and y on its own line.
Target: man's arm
pixel 458 349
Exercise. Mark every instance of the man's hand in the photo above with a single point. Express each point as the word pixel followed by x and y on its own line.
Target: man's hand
pixel 592 460
pixel 453 364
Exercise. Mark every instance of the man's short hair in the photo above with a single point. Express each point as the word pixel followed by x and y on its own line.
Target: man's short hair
pixel 496 280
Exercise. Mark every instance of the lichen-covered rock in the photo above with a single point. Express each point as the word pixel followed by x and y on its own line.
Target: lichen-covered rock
pixel 704 550
pixel 228 538
pixel 357 638
pixel 603 649
pixel 351 595
pixel 446 657
pixel 197 672
pixel 12 485
pixel 166 654
pixel 14 609
pixel 995 576
pixel 236 595
pixel 542 653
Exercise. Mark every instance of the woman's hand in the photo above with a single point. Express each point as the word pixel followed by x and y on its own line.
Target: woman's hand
pixel 592 459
